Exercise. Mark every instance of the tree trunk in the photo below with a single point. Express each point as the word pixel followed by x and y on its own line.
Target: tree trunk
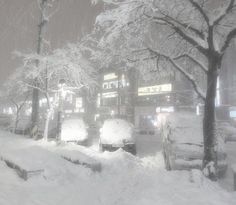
pixel 35 108
pixel 132 77
pixel 16 120
pixel 35 96
pixel 209 129
pixel 49 115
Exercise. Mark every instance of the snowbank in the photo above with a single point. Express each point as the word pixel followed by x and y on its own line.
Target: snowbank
pixel 124 180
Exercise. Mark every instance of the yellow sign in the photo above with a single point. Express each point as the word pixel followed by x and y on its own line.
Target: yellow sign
pixel 154 90
pixel 110 76
pixel 109 95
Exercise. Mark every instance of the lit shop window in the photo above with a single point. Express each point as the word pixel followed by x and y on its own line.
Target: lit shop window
pixel 79 102
pixel 114 84
pixel 69 98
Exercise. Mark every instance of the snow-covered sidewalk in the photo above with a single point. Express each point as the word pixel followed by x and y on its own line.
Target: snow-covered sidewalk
pixel 124 179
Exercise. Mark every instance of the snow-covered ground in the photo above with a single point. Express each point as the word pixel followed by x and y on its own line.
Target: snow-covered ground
pixel 124 179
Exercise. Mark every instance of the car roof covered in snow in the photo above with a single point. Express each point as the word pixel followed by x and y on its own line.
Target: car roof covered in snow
pixel 114 131
pixel 186 127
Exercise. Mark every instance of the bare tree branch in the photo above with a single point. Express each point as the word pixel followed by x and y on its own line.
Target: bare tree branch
pixel 203 67
pixel 181 33
pixel 228 9
pixel 201 11
pixel 230 36
pixel 182 71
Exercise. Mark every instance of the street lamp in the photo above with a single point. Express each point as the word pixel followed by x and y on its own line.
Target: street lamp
pixel 61 95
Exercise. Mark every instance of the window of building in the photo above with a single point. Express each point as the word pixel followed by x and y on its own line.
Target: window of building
pixel 79 102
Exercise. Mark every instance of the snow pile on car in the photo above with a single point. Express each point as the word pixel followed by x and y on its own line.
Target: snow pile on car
pixel 116 131
pixel 73 130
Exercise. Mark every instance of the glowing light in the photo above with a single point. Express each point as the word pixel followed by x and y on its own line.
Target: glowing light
pixel 79 102
pixel 165 109
pixel 110 76
pixel 154 90
pixel 109 95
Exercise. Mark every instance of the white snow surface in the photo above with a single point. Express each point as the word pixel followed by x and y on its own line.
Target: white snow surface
pixel 116 131
pixel 73 130
pixel 124 180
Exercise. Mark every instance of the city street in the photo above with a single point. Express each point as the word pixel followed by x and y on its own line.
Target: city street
pixel 118 102
pixel 148 145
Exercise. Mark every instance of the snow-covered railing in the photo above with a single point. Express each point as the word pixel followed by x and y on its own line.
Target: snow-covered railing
pixel 22 172
pixel 80 157
pixel 91 164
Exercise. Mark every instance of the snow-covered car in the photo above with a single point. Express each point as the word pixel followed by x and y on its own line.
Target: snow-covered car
pixel 183 143
pixel 115 134
pixel 74 130
pixel 227 131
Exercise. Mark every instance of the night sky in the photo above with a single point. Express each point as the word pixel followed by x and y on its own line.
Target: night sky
pixel 18 27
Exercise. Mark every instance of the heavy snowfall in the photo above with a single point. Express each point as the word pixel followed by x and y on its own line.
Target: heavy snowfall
pixel 118 102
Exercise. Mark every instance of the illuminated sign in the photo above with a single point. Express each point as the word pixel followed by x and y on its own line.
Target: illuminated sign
pixel 110 76
pixel 109 95
pixel 165 109
pixel 154 90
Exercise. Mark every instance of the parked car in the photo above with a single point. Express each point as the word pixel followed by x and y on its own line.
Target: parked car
pixel 227 131
pixel 115 134
pixel 74 130
pixel 183 143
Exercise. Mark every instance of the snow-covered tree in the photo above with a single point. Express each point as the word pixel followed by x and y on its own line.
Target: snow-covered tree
pixel 175 32
pixel 47 9
pixel 68 64
pixel 16 93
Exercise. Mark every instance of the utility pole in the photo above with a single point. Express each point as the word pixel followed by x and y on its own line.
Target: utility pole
pixel 41 32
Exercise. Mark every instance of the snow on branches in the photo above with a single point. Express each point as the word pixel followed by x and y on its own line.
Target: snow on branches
pixel 185 30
